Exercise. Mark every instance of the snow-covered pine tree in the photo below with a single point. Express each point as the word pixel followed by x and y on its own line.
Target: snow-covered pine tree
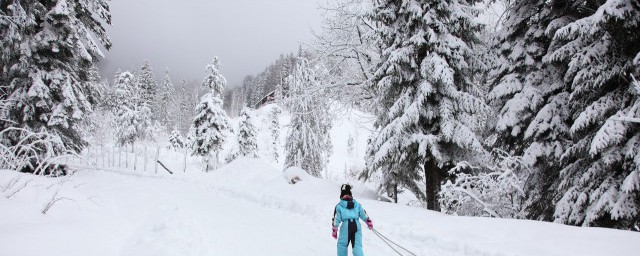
pixel 428 112
pixel 308 144
pixel 598 185
pixel 211 121
pixel 278 94
pixel 181 110
pixel 175 140
pixel 274 127
pixel 247 142
pixel 165 101
pixel 47 50
pixel 635 84
pixel 518 73
pixel 257 92
pixel 124 87
pixel 132 113
pixel 531 101
pixel 147 84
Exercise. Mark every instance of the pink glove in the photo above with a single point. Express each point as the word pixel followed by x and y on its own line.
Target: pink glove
pixel 335 232
pixel 369 224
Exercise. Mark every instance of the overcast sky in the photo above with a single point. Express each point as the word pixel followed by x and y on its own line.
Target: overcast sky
pixel 184 35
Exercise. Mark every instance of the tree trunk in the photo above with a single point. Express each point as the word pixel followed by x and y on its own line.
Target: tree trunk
pixel 437 175
pixel 395 192
pixel 432 184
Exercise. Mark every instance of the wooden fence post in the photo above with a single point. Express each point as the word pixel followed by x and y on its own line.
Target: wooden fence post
pixel 113 155
pixel 145 158
pixel 135 157
pixel 102 155
pixel 184 167
pixel 157 157
pixel 217 159
pixel 126 158
pixel 119 157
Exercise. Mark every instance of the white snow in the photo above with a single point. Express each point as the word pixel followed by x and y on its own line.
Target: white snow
pixel 249 208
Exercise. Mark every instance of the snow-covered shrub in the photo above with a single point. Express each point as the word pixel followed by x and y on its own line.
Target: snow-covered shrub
pixel 295 174
pixel 99 127
pixel 155 132
pixel 36 152
pixel 33 152
pixel 175 140
pixel 495 190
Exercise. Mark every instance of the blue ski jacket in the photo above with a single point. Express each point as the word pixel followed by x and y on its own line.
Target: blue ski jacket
pixel 344 212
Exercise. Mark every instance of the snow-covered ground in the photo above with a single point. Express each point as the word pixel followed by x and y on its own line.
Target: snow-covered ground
pixel 249 208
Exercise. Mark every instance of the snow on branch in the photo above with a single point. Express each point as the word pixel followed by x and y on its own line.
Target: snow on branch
pixel 494 190
pixel 40 148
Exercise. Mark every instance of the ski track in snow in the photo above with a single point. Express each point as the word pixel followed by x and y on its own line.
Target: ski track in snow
pixel 242 234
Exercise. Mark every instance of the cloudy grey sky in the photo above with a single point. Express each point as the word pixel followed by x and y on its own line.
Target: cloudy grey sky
pixel 184 35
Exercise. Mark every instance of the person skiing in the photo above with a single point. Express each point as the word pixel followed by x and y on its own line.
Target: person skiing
pixel 347 213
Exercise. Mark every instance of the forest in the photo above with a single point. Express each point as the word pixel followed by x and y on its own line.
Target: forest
pixel 501 108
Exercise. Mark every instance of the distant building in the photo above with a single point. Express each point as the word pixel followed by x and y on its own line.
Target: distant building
pixel 270 97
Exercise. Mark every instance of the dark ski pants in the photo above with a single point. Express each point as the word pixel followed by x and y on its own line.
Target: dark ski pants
pixel 350 233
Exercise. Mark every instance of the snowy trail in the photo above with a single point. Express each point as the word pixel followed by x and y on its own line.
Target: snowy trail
pixel 215 220
pixel 210 224
pixel 248 208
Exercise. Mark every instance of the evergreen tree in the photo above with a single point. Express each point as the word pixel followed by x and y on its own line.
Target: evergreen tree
pixel 46 58
pixel 598 185
pixel 182 109
pixel 238 101
pixel 258 84
pixel 165 101
pixel 132 113
pixel 308 144
pixel 211 121
pixel 529 96
pixel 175 140
pixel 123 86
pixel 517 78
pixel 247 143
pixel 274 127
pixel 147 84
pixel 428 112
